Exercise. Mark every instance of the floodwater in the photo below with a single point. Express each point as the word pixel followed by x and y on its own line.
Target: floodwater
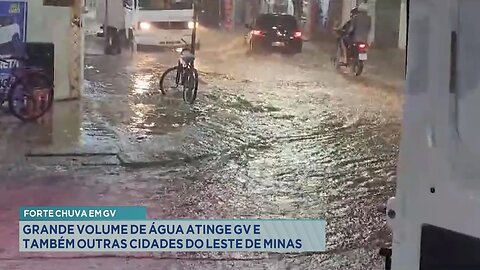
pixel 270 136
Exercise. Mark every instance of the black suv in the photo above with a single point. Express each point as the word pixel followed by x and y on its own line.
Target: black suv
pixel 274 31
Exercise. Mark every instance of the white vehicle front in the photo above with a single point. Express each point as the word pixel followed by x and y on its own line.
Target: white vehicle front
pixel 164 23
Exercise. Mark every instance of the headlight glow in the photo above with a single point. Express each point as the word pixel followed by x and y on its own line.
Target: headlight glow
pixel 145 26
pixel 191 24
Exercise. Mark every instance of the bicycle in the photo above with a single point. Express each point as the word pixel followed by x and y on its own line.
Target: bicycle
pixel 29 91
pixel 186 76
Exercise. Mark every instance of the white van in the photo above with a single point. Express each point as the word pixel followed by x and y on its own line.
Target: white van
pixel 164 23
pixel 151 22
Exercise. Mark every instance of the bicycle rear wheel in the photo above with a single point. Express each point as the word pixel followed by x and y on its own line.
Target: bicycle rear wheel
pixel 31 96
pixel 190 86
pixel 169 81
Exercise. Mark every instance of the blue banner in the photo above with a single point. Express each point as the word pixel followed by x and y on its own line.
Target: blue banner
pixel 13 28
pixel 91 213
pixel 283 236
pixel 127 229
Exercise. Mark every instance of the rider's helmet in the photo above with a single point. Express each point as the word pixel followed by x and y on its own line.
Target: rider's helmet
pixel 353 12
pixel 363 7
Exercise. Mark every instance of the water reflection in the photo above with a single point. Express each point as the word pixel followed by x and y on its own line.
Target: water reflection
pixel 142 83
pixel 156 118
pixel 56 131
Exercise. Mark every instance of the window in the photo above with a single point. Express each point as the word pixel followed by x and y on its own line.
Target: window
pixel 165 4
pixel 59 3
pixel 268 21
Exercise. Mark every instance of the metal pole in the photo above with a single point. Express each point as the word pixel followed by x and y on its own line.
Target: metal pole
pixel 194 31
pixel 105 24
pixel 220 17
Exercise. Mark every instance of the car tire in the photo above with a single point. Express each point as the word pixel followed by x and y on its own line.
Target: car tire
pixel 290 51
pixel 358 68
pixel 117 49
pixel 108 50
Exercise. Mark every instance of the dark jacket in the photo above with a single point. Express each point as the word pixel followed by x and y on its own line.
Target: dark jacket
pixel 361 25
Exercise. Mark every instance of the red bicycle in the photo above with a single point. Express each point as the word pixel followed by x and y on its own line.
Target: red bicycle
pixel 29 91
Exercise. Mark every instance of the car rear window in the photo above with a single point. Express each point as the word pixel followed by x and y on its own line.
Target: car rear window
pixel 288 22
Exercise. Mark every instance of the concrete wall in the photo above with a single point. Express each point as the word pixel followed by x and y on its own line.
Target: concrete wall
pixel 402 39
pixel 52 24
pixel 372 12
pixel 346 8
pixel 372 6
pixel 387 23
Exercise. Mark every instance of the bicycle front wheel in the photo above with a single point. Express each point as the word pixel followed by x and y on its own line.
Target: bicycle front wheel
pixel 31 97
pixel 169 81
pixel 190 87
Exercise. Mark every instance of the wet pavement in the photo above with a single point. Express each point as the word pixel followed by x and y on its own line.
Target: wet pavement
pixel 270 136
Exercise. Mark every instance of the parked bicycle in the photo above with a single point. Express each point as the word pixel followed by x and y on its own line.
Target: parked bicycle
pixel 186 76
pixel 28 91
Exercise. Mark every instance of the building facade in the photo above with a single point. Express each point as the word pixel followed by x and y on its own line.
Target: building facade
pixel 389 23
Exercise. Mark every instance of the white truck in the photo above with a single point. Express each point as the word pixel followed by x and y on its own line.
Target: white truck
pixel 151 22
pixel 164 23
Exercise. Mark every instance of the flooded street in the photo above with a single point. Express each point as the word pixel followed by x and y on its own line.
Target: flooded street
pixel 270 136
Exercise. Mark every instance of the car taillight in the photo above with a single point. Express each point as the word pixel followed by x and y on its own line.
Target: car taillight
pixel 257 33
pixel 297 34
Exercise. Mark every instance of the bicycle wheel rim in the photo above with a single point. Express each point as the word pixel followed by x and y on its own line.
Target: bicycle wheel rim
pixel 164 79
pixel 36 90
pixel 189 89
pixel 195 89
pixel 43 84
pixel 21 104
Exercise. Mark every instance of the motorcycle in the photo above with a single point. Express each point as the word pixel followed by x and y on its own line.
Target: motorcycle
pixel 356 55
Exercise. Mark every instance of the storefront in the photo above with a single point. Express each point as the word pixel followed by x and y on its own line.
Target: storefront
pixel 210 15
pixel 387 23
pixel 228 14
pixel 322 16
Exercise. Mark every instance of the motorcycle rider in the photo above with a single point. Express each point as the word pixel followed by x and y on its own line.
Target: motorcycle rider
pixel 354 30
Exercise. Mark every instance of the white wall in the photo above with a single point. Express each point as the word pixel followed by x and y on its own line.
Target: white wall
pixel 402 38
pixel 52 24
pixel 372 12
pixel 346 8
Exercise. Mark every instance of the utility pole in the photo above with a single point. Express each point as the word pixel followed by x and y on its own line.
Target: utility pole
pixel 196 6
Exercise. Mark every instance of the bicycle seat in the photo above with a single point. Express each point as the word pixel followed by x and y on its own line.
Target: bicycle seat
pixel 187 57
